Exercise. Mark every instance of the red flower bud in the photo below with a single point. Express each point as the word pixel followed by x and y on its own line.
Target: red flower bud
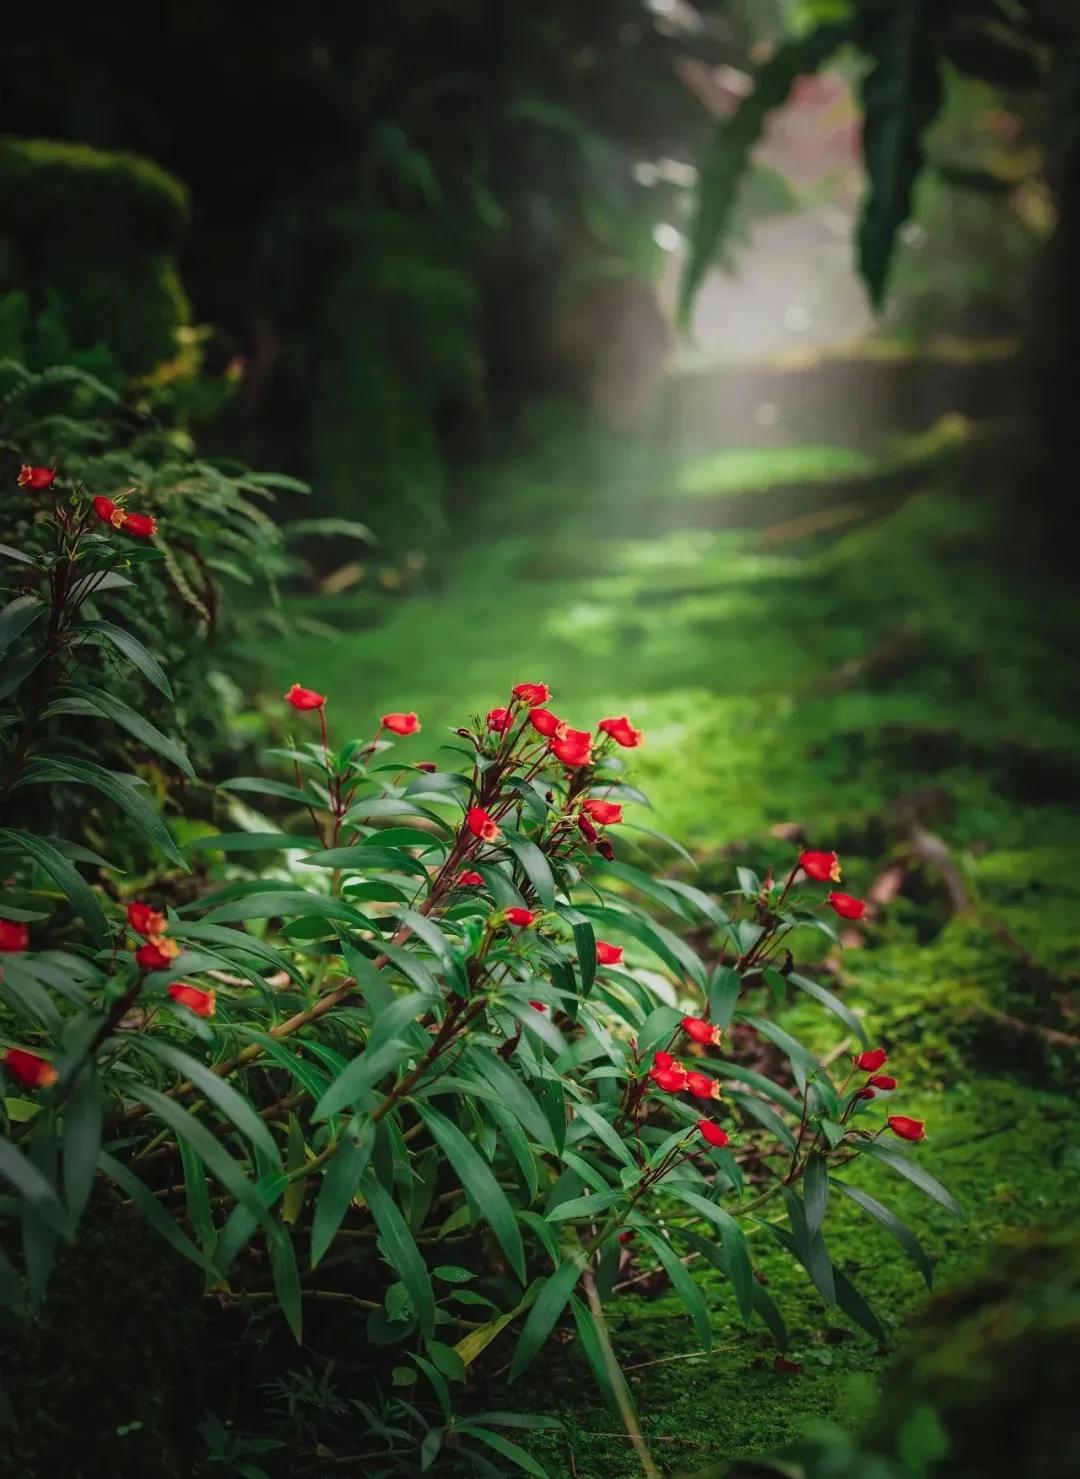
pixel 304 698
pixel 883 1081
pixel 605 849
pixel 713 1133
pixel 482 825
pixel 401 723
pixel 846 906
pixel 157 954
pixel 671 1080
pixel 663 1060
pixel 823 867
pixel 142 526
pixel 202 1003
pixel 108 511
pixel 146 921
pixel 864 1093
pixel 523 918
pixel 626 1237
pixel 573 748
pixel 622 732
pixel 14 937
pixel 702 1086
pixel 29 1069
pixel 604 813
pixel 608 954
pixel 872 1060
pixel 500 720
pixel 546 723
pixel 907 1129
pixel 586 828
pixel 469 879
pixel 533 694
pixel 538 1006
pixel 427 765
pixel 37 479
pixel 701 1030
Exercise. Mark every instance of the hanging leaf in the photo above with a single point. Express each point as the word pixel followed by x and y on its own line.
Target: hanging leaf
pixel 892 1224
pixel 476 1177
pixel 401 1250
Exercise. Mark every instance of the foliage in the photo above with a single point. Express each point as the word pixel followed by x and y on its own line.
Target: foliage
pixel 113 281
pixel 416 1066
pixel 906 45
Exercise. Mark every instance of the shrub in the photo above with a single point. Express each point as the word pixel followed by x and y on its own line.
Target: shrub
pixel 407 1069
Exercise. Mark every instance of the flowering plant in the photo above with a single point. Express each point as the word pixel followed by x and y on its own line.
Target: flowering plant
pixel 448 1031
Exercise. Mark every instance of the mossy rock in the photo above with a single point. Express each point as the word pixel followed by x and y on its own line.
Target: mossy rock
pixel 107 1379
pixel 94 236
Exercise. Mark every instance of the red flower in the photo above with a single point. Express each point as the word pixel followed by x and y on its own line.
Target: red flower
pixel 626 1237
pixel 586 828
pixel 608 954
pixel 36 478
pixel 304 698
pixel 907 1129
pixel 701 1030
pixel 141 525
pixel 202 1003
pixel 872 1060
pixel 702 1086
pixel 883 1081
pixel 846 906
pixel 573 748
pixel 469 879
pixel 547 724
pixel 523 918
pixel 29 1069
pixel 664 1060
pixel 865 1093
pixel 823 867
pixel 108 511
pixel 622 732
pixel 500 720
pixel 604 813
pixel 401 723
pixel 605 849
pixel 538 1006
pixel 533 694
pixel 713 1133
pixel 13 937
pixel 671 1080
pixel 482 825
pixel 146 921
pixel 157 955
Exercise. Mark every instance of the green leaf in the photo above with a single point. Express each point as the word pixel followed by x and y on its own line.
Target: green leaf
pixel 230 842
pixel 119 788
pixel 32 1186
pixel 736 1249
pixel 259 786
pixel 84 698
pixel 197 1196
pixel 232 1104
pixel 602 1359
pixel 512 1451
pixel 476 1177
pixel 16 616
pixel 673 951
pixel 549 1304
pixel 584 1206
pixel 402 1251
pixel 901 96
pixel 293 903
pixel 732 146
pixel 152 1210
pixel 833 1003
pixel 724 988
pixel 17 554
pixel 81 1142
pixel 682 1281
pixel 286 1277
pixel 534 865
pixel 131 648
pixel 856 1308
pixel 815 1192
pixel 359 1075
pixel 80 894
pixel 892 1224
pixel 911 1171
pixel 477 1341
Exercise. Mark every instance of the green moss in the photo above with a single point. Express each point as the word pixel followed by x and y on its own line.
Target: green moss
pixel 95 235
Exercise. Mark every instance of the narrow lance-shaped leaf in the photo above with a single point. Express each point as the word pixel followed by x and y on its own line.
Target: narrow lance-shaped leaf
pixel 402 1251
pixel 480 1184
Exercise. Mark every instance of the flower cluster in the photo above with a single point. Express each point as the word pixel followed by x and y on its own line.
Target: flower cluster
pixel 824 867
pixel 870 1062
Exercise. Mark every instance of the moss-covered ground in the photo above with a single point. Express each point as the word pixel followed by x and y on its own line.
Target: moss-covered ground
pixel 864 660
